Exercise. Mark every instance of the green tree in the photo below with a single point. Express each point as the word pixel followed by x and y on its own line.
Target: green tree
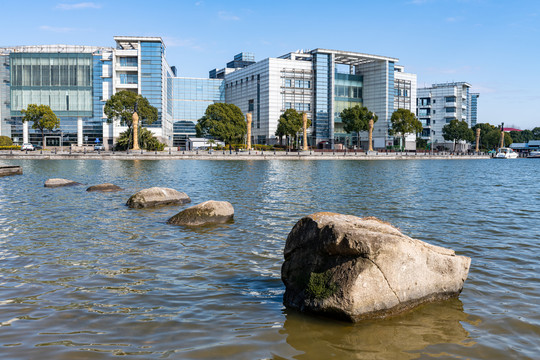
pixel 404 122
pixel 121 106
pixel 146 138
pixel 289 124
pixel 488 135
pixel 222 121
pixel 5 141
pixel 456 131
pixel 42 117
pixel 536 133
pixel 356 119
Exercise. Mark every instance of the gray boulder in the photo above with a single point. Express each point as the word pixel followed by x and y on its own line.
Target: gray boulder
pixel 360 268
pixel 52 183
pixel 157 196
pixel 107 187
pixel 208 212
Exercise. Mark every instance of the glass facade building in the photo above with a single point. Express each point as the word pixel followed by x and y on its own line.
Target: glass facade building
pixel 191 97
pixel 474 108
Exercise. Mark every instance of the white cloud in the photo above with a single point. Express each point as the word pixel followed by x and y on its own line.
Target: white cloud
pixel 199 3
pixel 78 6
pixel 225 15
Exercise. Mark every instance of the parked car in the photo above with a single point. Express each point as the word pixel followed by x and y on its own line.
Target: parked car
pixel 99 147
pixel 27 146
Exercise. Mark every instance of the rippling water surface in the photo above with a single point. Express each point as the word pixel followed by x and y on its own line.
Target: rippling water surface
pixel 84 277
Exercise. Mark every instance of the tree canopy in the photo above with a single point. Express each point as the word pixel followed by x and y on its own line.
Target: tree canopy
pixel 404 122
pixel 490 136
pixel 356 118
pixel 456 131
pixel 222 121
pixel 42 117
pixel 122 105
pixel 290 123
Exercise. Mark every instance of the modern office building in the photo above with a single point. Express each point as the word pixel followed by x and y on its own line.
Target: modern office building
pixel 76 81
pixel 474 108
pixel 190 100
pixel 321 83
pixel 439 104
pixel 405 98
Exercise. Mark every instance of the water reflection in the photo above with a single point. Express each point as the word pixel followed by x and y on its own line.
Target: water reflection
pixel 400 337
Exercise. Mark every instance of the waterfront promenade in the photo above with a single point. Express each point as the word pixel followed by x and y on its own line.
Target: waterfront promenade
pixel 226 155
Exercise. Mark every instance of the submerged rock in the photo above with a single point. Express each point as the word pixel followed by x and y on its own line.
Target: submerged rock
pixel 157 196
pixel 107 187
pixel 353 269
pixel 208 212
pixel 60 183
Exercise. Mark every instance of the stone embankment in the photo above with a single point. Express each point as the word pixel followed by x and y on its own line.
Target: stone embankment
pixel 241 155
pixel 351 268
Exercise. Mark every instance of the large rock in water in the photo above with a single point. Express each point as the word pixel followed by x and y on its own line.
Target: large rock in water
pixel 157 196
pixel 208 212
pixel 354 269
pixel 60 182
pixel 106 187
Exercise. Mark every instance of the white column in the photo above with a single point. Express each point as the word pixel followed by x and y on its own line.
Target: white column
pixel 79 131
pixel 25 132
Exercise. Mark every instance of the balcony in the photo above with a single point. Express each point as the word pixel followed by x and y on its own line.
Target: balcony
pixel 130 52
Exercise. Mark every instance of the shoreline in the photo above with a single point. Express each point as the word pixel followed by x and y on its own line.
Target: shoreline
pixel 243 155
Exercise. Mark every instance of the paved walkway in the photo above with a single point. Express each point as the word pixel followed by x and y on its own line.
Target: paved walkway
pixel 220 155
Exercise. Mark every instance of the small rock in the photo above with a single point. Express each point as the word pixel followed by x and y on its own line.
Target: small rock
pixel 60 182
pixel 107 187
pixel 354 269
pixel 157 196
pixel 208 212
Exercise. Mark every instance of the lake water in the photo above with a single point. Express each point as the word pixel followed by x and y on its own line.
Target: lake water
pixel 84 277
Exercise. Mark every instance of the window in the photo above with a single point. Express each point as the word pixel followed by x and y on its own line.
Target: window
pixel 251 105
pixel 450 109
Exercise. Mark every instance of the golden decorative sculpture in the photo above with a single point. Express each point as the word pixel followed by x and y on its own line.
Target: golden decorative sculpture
pixel 477 139
pixel 370 139
pixel 249 120
pixel 304 128
pixel 135 118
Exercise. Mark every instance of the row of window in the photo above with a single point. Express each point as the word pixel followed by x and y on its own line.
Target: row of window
pixel 402 92
pixel 298 106
pixel 354 92
pixel 301 84
pixel 128 61
pixel 51 75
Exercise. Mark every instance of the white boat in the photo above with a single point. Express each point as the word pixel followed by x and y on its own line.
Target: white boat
pixel 534 154
pixel 506 153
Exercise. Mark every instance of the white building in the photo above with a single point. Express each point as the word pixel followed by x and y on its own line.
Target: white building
pixel 438 105
pixel 320 83
pixel 405 98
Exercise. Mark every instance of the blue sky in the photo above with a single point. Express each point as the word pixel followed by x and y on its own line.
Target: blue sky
pixel 493 45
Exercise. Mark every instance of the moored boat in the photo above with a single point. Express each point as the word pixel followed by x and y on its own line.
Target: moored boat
pixel 534 154
pixel 506 153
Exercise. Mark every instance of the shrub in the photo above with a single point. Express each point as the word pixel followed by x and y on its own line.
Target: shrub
pixel 5 141
pixel 10 147
pixel 147 140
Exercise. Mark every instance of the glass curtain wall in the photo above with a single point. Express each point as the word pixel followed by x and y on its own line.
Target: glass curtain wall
pixel 347 93
pixel 63 81
pixel 191 97
pixel 323 72
pixel 151 75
